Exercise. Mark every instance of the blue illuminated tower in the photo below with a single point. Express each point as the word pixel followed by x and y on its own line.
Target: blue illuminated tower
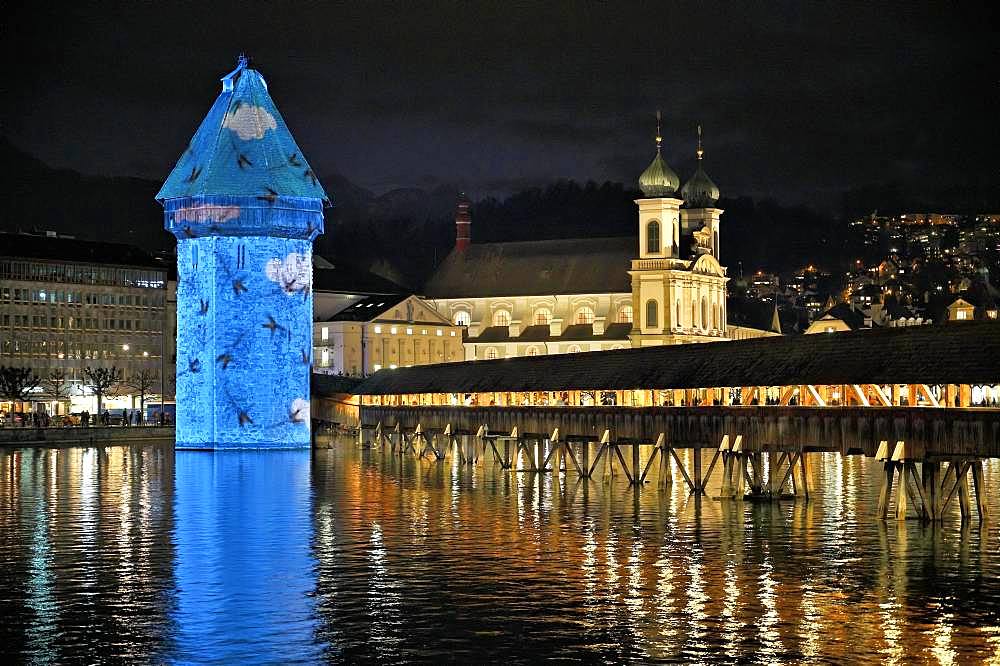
pixel 245 208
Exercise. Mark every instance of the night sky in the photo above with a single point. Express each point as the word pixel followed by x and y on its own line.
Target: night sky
pixel 798 100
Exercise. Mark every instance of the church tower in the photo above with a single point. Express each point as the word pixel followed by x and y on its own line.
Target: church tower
pixel 245 207
pixel 700 196
pixel 678 286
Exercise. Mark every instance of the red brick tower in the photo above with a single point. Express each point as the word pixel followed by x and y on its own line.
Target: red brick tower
pixel 463 223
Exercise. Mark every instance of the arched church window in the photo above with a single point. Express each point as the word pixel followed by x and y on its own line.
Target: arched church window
pixel 584 315
pixel 653 237
pixel 715 316
pixel 625 314
pixel 462 318
pixel 704 312
pixel 492 354
pixel 543 317
pixel 679 321
pixel 652 316
pixel 501 318
pixel 694 314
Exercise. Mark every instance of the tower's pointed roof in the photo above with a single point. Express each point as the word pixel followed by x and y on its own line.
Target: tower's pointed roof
pixel 658 180
pixel 242 148
pixel 700 191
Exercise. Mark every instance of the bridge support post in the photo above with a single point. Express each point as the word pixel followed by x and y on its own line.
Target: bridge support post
pixel 636 464
pixel 698 488
pixel 585 458
pixel 666 472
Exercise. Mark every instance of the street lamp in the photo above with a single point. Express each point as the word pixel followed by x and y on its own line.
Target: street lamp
pixel 125 347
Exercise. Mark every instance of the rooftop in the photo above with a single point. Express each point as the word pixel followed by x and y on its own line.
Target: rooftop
pixel 242 148
pixel 959 353
pixel 535 268
pixel 75 250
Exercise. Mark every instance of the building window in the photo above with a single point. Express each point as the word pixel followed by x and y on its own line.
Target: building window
pixel 704 312
pixel 653 237
pixel 533 351
pixel 584 315
pixel 324 358
pixel 378 329
pixel 574 349
pixel 324 333
pixel 462 318
pixel 492 354
pixel 543 317
pixel 652 315
pixel 678 323
pixel 501 318
pixel 625 314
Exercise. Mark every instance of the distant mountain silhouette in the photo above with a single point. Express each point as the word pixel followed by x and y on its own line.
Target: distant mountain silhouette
pixel 93 207
pixel 403 234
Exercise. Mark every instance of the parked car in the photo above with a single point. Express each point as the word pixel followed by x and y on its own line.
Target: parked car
pixel 65 420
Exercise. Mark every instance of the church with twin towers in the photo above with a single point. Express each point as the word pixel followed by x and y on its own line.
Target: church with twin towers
pixel 664 285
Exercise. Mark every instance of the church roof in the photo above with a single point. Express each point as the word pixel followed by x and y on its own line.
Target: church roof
pixel 242 148
pixel 658 180
pixel 535 268
pixel 700 191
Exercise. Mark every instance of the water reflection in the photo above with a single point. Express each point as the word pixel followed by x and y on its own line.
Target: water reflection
pixel 244 571
pixel 135 553
pixel 86 554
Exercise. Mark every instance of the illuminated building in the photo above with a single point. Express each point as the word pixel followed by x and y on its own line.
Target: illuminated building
pixel 66 304
pixel 384 332
pixel 592 294
pixel 245 207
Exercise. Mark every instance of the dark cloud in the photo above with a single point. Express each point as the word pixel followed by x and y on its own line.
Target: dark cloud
pixel 799 100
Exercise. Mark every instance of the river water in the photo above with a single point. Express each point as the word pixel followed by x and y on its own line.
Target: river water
pixel 142 554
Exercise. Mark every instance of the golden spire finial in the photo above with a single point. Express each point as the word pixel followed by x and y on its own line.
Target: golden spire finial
pixel 700 151
pixel 659 139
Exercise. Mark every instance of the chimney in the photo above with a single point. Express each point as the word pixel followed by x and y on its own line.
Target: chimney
pixel 463 223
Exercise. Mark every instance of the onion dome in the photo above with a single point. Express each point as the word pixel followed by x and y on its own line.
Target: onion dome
pixel 658 180
pixel 700 191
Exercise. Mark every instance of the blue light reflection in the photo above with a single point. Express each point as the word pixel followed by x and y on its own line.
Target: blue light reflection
pixel 244 572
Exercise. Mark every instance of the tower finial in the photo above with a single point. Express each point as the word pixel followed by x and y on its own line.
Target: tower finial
pixel 659 138
pixel 700 151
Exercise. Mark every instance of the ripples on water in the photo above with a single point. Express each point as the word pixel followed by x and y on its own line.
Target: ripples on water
pixel 141 554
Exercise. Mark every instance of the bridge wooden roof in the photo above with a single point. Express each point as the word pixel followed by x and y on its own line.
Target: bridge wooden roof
pixel 955 353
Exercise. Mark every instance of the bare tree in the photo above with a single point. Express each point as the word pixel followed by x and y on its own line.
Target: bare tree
pixel 56 385
pixel 17 383
pixel 144 382
pixel 102 381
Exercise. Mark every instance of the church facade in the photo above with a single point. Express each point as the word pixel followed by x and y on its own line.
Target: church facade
pixel 575 295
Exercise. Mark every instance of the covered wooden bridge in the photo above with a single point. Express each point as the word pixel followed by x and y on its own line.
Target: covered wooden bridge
pixel 925 395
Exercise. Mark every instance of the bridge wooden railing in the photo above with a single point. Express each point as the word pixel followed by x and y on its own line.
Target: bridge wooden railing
pixel 932 431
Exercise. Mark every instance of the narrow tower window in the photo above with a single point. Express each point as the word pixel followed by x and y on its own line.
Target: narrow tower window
pixel 653 237
pixel 652 315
